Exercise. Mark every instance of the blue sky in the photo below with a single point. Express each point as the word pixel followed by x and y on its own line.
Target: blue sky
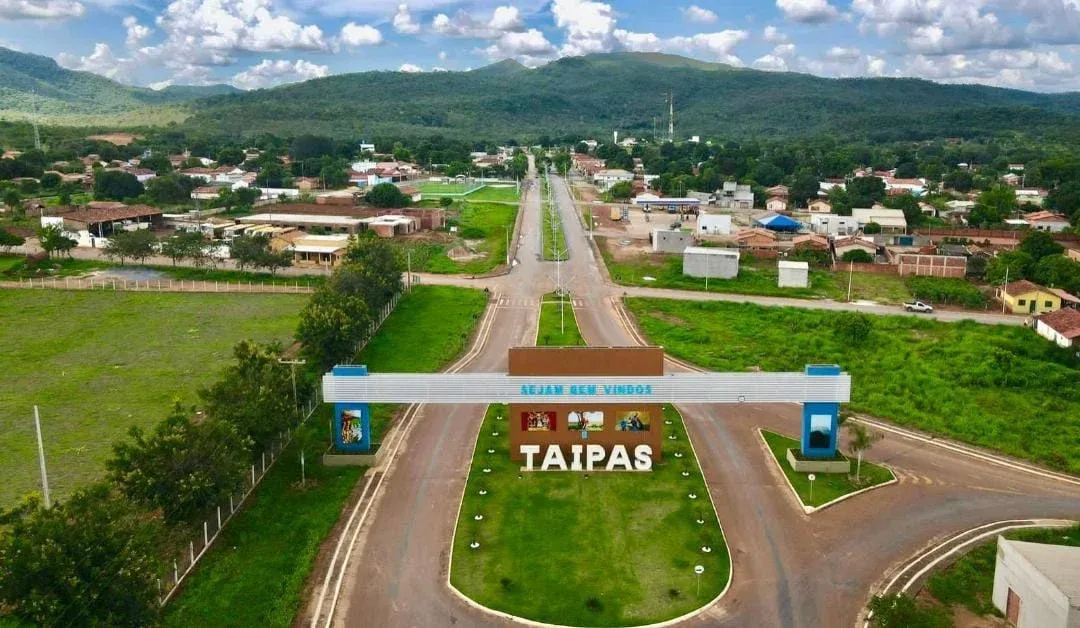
pixel 1026 44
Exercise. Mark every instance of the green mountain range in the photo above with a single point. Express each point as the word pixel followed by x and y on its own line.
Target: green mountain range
pixel 29 79
pixel 592 95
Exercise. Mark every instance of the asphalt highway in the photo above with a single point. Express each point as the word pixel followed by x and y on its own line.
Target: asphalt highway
pixel 789 569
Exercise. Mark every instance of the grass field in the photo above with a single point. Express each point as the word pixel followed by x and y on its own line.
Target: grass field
pixel 256 572
pixel 827 486
pixel 99 362
pixel 755 277
pixel 1000 387
pixel 431 188
pixel 600 549
pixel 487 227
pixel 14 267
pixel 502 193
pixel 553 330
pixel 969 582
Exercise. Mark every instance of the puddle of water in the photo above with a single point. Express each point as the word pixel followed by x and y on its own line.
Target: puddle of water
pixel 130 274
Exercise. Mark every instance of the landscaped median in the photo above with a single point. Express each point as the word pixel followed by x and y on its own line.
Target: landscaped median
pixel 826 487
pixel 588 549
pixel 558 325
pixel 256 572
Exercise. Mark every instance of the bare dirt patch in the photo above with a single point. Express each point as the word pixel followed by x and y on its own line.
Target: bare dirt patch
pixel 625 249
pixel 120 139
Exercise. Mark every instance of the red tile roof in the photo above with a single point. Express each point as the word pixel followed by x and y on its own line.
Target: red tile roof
pixel 1065 322
pixel 1022 286
pixel 113 214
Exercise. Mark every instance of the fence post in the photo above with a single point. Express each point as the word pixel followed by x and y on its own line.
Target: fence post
pixel 175 573
pixel 205 534
pixel 231 509
pixel 219 517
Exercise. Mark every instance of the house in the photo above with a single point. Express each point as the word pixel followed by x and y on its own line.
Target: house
pixel 605 179
pixel 833 225
pixel 1073 254
pixel 671 204
pixel 819 206
pixel 1031 196
pixel 927 209
pixel 1011 179
pixel 811 242
pixel 892 221
pixel 319 250
pixel 699 261
pixel 778 190
pixel 777 222
pixel 735 196
pixel 306 184
pixel 89 224
pixel 390 225
pixel 1061 327
pixel 932 265
pixel 142 174
pixel 1047 221
pixel 1068 300
pixel 776 204
pixel 1016 167
pixel 916 187
pixel 1037 585
pixel 413 192
pixel 843 245
pixel 306 222
pixel 670 241
pixel 756 238
pixel 714 224
pixel 793 274
pixel 1026 297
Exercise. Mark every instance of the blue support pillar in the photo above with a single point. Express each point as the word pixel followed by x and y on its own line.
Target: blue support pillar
pixel 821 420
pixel 352 421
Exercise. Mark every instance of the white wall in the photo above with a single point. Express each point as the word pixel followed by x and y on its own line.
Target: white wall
pixel 1042 605
pixel 714 224
pixel 1050 334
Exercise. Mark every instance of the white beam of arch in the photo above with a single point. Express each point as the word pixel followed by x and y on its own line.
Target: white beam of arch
pixel 502 388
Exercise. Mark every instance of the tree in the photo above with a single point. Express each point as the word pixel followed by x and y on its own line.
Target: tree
pixel 993 206
pixel 137 245
pixel 13 202
pixel 871 228
pixel 63 194
pixel 861 439
pixel 804 189
pixel 273 262
pixel 446 201
pixel 183 245
pixel 1065 198
pixel 976 266
pixel 1011 265
pixel 170 189
pixel 1058 271
pixel 372 269
pixel 183 467
pixel 334 176
pixel 959 180
pixel 271 175
pixel 157 162
pixel 840 201
pixel 254 395
pixel 387 195
pixel 230 156
pixel 865 191
pixel 910 206
pixel 858 256
pixel 247 251
pixel 308 146
pixel 621 190
pixel 116 185
pixel 581 148
pixel 332 325
pixel 1040 244
pixel 52 239
pixel 87 561
pixel 50 180
pixel 9 239
pixel 907 170
pixel 853 327
pixel 768 174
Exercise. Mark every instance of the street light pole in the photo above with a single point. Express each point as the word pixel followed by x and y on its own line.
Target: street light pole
pixel 292 371
pixel 41 459
pixel 851 270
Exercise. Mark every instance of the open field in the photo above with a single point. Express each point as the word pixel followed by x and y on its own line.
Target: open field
pixel 483 233
pixel 99 362
pixel 555 330
pixel 15 267
pixel 998 387
pixel 432 188
pixel 827 486
pixel 599 549
pixel 755 277
pixel 969 582
pixel 501 193
pixel 255 574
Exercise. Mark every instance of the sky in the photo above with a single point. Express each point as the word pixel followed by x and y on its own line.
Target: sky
pixel 1025 44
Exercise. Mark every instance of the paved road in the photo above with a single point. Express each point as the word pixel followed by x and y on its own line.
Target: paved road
pixel 790 569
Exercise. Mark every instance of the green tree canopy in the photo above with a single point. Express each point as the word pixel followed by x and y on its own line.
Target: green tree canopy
pixel 170 189
pixel 137 245
pixel 116 185
pixel 52 239
pixel 387 195
pixel 254 394
pixel 1040 244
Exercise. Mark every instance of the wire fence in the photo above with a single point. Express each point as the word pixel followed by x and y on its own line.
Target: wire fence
pixel 159 285
pixel 212 526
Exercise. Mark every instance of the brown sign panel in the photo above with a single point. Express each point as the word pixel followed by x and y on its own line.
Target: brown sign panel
pixel 593 420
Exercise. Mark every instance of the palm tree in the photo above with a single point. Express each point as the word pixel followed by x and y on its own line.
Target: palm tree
pixel 862 439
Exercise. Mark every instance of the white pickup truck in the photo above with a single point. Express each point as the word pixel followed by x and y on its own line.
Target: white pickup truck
pixel 919 306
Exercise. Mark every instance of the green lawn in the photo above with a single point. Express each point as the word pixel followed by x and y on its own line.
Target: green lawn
pixel 556 330
pixel 486 226
pixel 599 549
pixel 969 581
pixel 432 188
pixel 255 574
pixel 501 193
pixel 827 486
pixel 14 267
pixel 97 363
pixel 553 240
pixel 755 277
pixel 1000 387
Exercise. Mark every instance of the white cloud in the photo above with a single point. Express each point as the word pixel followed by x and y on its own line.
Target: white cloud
pixel 135 32
pixel 403 21
pixel 1052 21
pixel 589 26
pixel 410 68
pixel 269 73
pixel 505 19
pixel 157 86
pixel 694 13
pixel 719 45
pixel 529 47
pixel 938 26
pixel 875 66
pixel 837 53
pixel 772 34
pixel 807 11
pixel 777 60
pixel 442 55
pixel 40 9
pixel 101 61
pixel 356 35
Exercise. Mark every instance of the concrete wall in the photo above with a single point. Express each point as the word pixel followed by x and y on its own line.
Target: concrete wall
pixel 794 277
pixel 714 224
pixel 670 241
pixel 1050 334
pixel 1042 605
pixel 710 265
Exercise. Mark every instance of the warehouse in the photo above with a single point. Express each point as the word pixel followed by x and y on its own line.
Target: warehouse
pixel 1037 585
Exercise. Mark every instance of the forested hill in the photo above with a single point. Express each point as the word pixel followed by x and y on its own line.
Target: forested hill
pixel 600 93
pixel 26 78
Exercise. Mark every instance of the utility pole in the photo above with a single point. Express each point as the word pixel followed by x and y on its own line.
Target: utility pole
pixel 671 116
pixel 1003 289
pixel 292 370
pixel 851 270
pixel 41 459
pixel 37 136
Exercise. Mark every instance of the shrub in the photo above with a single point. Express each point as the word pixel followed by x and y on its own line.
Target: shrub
pixel 944 290
pixel 858 256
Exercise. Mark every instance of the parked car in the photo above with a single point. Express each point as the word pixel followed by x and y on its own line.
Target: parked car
pixel 919 306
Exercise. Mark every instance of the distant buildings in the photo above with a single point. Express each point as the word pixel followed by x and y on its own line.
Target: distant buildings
pixel 714 224
pixel 1061 327
pixel 734 196
pixel 605 179
pixel 892 221
pixel 1026 297
pixel 670 241
pixel 1047 221
pixel 709 262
